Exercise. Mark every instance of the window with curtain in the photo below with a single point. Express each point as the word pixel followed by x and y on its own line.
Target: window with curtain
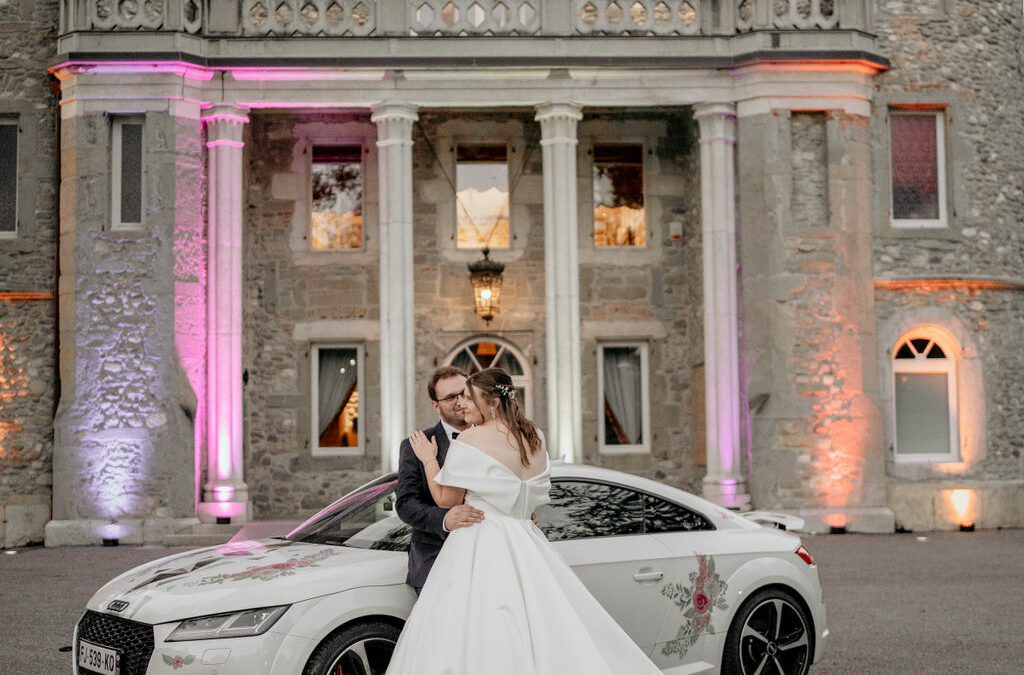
pixel 336 401
pixel 127 151
pixel 336 212
pixel 623 398
pixel 925 400
pixel 482 196
pixel 619 195
pixel 917 142
pixel 8 178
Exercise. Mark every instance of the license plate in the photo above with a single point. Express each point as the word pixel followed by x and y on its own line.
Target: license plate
pixel 98 659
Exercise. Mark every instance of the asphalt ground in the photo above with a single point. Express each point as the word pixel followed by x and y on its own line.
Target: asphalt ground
pixel 897 604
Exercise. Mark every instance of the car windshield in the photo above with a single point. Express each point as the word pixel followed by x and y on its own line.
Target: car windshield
pixel 365 518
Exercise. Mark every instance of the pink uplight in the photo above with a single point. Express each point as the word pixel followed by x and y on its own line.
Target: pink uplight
pixel 232 144
pixel 225 117
pixel 223 493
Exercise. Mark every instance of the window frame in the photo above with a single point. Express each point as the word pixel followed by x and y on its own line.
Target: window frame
pixel 14 121
pixel 335 143
pixel 645 401
pixel 947 366
pixel 117 124
pixel 524 381
pixel 942 222
pixel 643 191
pixel 314 416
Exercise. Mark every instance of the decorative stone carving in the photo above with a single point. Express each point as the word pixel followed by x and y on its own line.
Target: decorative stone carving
pixel 640 17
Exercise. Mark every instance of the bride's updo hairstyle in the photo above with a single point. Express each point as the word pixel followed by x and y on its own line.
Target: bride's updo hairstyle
pixel 495 387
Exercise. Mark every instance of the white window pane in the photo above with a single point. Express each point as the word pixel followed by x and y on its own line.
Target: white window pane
pixel 482 196
pixel 131 173
pixel 338 397
pixel 337 206
pixel 619 195
pixel 623 396
pixel 915 167
pixel 8 177
pixel 922 413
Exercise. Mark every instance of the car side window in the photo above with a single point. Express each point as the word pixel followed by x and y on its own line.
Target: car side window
pixel 663 516
pixel 580 509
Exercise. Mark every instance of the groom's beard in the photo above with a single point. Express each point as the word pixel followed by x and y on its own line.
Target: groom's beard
pixel 456 418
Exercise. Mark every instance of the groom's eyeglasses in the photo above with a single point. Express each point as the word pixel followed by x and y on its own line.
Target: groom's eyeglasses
pixel 453 397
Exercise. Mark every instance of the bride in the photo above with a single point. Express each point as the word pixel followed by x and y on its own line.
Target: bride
pixel 499 599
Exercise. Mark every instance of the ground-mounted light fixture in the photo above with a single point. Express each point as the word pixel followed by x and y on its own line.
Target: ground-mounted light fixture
pixel 485 275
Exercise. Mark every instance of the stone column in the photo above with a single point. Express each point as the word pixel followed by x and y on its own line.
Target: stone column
pixel 561 279
pixel 225 494
pixel 397 363
pixel 725 482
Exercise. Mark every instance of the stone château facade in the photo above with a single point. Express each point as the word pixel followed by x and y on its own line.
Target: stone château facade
pixel 764 250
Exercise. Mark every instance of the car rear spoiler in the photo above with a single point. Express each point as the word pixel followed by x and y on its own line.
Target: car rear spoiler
pixel 781 521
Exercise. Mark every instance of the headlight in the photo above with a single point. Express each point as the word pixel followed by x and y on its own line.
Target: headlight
pixel 235 624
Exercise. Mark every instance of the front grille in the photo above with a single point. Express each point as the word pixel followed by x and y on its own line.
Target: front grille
pixel 133 639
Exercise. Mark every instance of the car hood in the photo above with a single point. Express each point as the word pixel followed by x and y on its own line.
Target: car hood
pixel 243 575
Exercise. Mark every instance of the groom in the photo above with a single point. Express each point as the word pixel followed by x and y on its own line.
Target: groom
pixel 430 523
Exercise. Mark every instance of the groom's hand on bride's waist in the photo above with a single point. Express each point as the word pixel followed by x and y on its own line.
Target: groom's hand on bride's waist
pixel 462 515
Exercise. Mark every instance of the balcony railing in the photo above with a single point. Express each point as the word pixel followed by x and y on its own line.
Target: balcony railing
pixel 454 18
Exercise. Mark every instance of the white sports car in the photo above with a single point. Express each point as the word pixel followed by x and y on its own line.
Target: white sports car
pixel 699 588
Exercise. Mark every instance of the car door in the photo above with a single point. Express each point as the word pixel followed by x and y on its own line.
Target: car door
pixel 598 528
pixel 694 585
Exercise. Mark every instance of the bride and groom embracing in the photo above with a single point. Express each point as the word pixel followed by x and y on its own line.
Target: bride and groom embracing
pixel 494 597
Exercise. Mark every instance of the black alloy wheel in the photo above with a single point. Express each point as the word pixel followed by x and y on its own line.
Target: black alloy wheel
pixel 770 634
pixel 360 649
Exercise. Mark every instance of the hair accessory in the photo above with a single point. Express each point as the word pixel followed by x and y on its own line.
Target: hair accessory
pixel 507 390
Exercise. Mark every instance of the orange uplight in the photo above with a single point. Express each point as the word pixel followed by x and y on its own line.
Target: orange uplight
pixel 962 501
pixel 837 520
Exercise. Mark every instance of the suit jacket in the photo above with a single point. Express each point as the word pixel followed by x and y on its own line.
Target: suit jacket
pixel 416 507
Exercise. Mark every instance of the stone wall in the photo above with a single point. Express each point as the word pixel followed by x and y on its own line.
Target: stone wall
pixel 296 298
pixel 124 433
pixel 963 57
pixel 28 383
pixel 652 294
pixel 808 316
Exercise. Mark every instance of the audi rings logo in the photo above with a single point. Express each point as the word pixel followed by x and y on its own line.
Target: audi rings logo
pixel 117 605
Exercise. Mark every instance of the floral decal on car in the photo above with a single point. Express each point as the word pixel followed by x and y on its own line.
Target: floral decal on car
pixel 705 593
pixel 269 572
pixel 178 662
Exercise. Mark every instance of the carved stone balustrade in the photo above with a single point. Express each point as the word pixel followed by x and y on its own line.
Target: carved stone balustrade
pixel 463 18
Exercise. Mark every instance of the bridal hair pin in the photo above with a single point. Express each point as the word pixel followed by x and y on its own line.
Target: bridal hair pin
pixel 507 390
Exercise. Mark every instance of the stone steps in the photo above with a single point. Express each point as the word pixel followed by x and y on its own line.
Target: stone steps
pixel 207 534
pixel 204 534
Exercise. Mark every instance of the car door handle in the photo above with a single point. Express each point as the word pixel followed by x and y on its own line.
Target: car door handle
pixel 647 574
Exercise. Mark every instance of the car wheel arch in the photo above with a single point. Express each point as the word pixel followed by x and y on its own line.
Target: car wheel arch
pixel 778 589
pixel 369 621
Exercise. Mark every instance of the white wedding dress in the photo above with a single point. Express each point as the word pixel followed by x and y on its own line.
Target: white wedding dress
pixel 499 600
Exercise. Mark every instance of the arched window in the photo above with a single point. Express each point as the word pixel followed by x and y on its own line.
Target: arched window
pixel 925 397
pixel 489 351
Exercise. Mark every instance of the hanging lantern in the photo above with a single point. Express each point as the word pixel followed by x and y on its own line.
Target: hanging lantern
pixel 485 275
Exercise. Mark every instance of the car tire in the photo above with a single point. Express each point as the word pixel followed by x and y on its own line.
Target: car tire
pixel 358 649
pixel 771 633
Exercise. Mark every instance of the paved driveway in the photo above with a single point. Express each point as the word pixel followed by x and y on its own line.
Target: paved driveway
pixel 898 604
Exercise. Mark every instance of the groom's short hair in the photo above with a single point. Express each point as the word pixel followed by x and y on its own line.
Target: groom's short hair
pixel 440 374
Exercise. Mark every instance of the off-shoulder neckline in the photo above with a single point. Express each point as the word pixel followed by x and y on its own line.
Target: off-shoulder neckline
pixel 547 461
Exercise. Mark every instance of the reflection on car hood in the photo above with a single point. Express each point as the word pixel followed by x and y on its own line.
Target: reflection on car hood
pixel 244 575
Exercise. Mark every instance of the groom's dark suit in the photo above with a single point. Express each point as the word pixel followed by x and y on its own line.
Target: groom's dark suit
pixel 417 508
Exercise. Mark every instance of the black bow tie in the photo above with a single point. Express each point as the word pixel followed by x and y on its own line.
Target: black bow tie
pixel 455 434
